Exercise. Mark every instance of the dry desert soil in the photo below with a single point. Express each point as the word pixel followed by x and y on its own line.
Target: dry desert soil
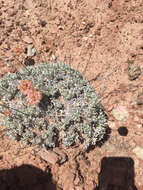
pixel 103 39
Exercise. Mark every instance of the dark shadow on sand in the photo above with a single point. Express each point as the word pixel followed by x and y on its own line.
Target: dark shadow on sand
pixel 26 177
pixel 117 173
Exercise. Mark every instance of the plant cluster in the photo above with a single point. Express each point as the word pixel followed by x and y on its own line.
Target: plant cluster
pixel 51 104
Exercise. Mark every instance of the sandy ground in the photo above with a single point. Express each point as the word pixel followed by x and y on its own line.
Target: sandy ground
pixel 104 40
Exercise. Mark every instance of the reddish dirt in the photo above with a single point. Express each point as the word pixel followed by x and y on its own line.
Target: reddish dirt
pixel 104 40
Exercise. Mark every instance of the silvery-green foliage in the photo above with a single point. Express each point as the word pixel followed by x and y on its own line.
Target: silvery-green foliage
pixel 69 112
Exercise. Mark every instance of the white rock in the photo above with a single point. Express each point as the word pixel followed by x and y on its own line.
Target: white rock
pixel 138 151
pixel 112 125
pixel 120 113
pixel 53 58
pixel 31 50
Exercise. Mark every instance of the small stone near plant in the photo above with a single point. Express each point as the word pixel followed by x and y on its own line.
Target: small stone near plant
pixel 140 97
pixel 134 71
pixel 120 113
pixel 139 152
pixel 31 50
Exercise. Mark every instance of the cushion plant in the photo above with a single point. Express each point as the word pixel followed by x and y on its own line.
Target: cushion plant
pixel 51 104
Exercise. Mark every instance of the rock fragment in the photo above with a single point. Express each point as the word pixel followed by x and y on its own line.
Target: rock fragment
pixel 53 157
pixel 120 113
pixel 49 156
pixel 31 50
pixel 43 23
pixel 62 155
pixel 140 97
pixel 139 152
pixel 27 39
pixel 134 71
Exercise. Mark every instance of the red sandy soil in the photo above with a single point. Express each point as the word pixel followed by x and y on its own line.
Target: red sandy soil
pixel 104 40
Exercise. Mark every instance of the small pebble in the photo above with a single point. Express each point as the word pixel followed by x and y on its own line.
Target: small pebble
pixel 120 113
pixel 43 23
pixel 140 97
pixel 123 131
pixel 27 39
pixel 31 50
pixel 134 71
pixel 139 152
pixel 29 61
pixel 53 58
pixel 49 156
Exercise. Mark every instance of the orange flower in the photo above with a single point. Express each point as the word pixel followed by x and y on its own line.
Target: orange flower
pixel 34 97
pixel 26 86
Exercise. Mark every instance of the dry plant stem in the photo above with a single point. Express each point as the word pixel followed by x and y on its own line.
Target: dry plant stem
pixel 14 116
pixel 79 62
pixel 51 5
pixel 8 63
pixel 70 60
pixel 29 33
pixel 34 42
pixel 90 54
pixel 45 60
pixel 101 75
pixel 21 63
pixel 3 105
pixel 18 62
pixel 95 78
pixel 4 89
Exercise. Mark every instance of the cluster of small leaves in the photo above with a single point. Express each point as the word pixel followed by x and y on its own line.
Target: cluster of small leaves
pixel 68 113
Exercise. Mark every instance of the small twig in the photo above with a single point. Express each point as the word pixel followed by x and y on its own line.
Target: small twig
pixel 95 78
pixel 15 117
pixel 3 105
pixel 34 41
pixel 51 9
pixel 4 89
pixel 21 64
pixel 11 116
pixel 14 65
pixel 84 71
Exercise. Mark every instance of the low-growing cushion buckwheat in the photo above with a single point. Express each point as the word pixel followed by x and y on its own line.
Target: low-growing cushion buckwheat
pixel 51 104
